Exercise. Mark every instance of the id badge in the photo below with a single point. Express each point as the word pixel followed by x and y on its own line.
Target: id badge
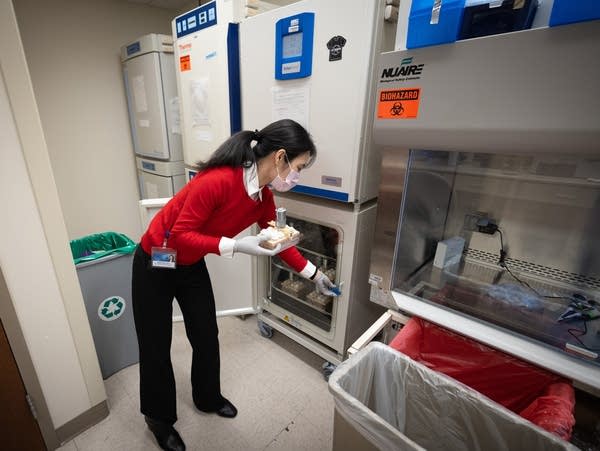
pixel 163 257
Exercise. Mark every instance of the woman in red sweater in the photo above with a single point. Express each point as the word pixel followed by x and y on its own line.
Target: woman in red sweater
pixel 228 194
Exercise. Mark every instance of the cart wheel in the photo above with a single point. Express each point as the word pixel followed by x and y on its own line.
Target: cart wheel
pixel 327 369
pixel 265 330
pixel 243 317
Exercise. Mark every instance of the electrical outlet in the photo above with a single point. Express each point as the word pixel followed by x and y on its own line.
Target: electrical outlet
pixel 487 225
pixel 471 220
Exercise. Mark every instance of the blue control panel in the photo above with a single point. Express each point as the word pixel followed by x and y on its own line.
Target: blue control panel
pixel 202 17
pixel 148 166
pixel 133 48
pixel 294 46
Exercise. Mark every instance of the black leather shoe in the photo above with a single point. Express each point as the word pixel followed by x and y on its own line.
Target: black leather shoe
pixel 166 435
pixel 226 409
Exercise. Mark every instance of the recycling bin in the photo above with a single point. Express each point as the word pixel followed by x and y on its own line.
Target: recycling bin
pixel 103 262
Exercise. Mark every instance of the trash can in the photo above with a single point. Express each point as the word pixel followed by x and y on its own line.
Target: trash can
pixel 103 262
pixel 385 400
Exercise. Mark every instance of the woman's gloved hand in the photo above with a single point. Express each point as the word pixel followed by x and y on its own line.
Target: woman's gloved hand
pixel 251 245
pixel 324 285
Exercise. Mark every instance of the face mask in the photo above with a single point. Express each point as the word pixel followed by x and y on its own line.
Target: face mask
pixel 290 181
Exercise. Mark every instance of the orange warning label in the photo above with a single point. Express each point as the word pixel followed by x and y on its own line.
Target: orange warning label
pixel 399 103
pixel 185 63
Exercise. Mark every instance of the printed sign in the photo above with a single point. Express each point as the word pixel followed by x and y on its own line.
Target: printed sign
pixel 185 63
pixel 398 103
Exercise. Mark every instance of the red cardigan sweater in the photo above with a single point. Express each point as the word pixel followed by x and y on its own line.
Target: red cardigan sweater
pixel 212 205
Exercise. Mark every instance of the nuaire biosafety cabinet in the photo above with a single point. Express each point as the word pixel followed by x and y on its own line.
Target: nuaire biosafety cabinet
pixel 495 150
pixel 488 210
pixel 149 74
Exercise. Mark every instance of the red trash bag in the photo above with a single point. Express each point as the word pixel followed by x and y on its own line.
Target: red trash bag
pixel 542 397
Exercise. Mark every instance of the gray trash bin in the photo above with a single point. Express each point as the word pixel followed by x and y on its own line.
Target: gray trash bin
pixel 385 400
pixel 103 264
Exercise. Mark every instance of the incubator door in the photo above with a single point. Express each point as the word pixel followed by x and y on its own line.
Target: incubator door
pixel 295 294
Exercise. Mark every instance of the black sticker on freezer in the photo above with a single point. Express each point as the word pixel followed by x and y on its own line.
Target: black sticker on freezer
pixel 335 46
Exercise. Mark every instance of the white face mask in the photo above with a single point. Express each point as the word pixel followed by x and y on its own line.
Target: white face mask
pixel 290 181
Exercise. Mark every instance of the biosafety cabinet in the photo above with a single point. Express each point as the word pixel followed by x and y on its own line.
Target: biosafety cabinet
pixel 489 201
pixel 149 75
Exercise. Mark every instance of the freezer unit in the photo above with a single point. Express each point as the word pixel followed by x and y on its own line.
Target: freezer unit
pixel 207 66
pixel 159 179
pixel 313 61
pixel 149 73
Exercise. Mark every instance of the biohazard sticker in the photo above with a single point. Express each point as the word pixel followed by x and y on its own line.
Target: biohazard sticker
pixel 185 63
pixel 399 103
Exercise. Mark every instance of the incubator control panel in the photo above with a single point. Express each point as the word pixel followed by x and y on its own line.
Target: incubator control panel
pixel 294 46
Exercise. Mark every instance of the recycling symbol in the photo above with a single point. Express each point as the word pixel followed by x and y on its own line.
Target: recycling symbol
pixel 111 308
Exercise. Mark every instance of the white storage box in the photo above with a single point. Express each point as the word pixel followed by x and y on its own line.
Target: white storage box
pixel 396 403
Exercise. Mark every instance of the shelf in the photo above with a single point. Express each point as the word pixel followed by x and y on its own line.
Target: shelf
pixel 308 304
pixel 301 310
pixel 316 253
pixel 288 269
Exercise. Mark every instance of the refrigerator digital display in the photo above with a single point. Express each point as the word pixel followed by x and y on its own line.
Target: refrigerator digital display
pixel 292 45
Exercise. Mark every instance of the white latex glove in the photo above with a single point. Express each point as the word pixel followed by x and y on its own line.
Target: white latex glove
pixel 250 245
pixel 323 284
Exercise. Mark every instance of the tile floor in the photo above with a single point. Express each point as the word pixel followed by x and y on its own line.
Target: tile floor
pixel 276 384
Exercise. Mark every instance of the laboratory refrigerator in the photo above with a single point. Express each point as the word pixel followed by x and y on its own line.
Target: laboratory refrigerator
pixel 206 46
pixel 153 104
pixel 489 199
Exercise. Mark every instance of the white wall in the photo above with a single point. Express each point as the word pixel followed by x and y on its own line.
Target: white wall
pixel 73 53
pixel 34 253
pixel 66 170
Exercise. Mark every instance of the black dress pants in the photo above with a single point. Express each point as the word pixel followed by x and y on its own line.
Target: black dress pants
pixel 153 290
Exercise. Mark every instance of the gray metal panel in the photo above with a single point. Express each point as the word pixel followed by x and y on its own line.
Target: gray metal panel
pixel 368 169
pixel 394 167
pixel 171 106
pixel 147 108
pixel 535 90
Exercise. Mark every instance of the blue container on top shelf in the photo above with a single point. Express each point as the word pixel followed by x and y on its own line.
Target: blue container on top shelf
pixel 570 11
pixel 489 17
pixel 433 22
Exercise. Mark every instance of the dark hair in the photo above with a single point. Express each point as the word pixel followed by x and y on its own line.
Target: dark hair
pixel 283 134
